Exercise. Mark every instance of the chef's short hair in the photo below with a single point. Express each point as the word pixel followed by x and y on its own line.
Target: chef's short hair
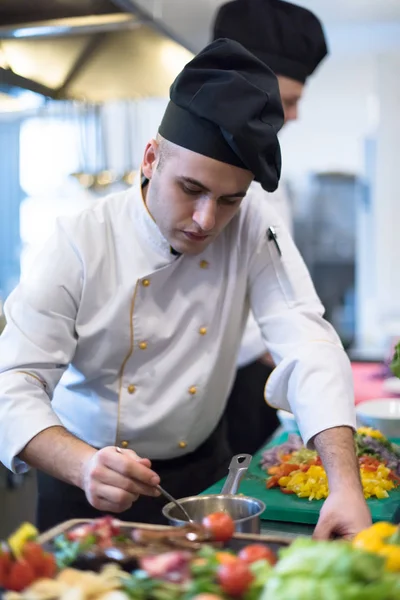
pixel 165 150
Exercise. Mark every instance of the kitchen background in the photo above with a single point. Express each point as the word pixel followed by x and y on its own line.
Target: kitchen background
pixel 83 85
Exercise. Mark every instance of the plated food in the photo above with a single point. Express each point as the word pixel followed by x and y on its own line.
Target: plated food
pixel 366 569
pixel 162 562
pixel 296 470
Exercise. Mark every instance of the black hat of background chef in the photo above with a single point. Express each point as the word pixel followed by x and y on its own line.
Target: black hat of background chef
pixel 225 104
pixel 288 38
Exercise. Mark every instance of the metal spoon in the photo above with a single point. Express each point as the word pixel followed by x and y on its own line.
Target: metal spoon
pixel 167 495
pixel 175 501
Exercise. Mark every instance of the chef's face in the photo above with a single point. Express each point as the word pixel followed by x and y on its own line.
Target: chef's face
pixel 191 197
pixel 291 92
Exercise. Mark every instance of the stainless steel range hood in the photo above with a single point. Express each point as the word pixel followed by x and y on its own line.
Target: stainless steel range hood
pixel 89 50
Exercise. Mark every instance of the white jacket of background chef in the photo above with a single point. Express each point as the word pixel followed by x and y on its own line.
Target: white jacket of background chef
pixel 124 343
pixel 253 344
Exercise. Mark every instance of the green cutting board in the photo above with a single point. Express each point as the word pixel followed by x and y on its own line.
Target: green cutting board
pixel 290 508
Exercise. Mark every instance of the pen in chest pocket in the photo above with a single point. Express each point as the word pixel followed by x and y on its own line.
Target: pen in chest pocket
pixel 272 236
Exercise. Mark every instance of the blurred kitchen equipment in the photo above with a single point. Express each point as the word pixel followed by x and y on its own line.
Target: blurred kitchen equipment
pixel 392 386
pixel 245 511
pixel 382 414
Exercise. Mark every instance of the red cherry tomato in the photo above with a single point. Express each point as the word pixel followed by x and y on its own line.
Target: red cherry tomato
pixel 80 533
pixel 235 578
pixel 220 525
pixel 49 566
pixel 33 554
pixel 20 576
pixel 5 564
pixel 255 552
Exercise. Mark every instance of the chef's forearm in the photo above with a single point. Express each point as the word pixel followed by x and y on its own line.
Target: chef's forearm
pixel 58 453
pixel 336 448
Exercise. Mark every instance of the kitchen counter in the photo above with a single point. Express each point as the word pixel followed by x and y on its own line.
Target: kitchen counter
pixel 286 530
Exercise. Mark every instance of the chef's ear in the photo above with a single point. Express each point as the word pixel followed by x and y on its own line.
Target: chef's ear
pixel 150 159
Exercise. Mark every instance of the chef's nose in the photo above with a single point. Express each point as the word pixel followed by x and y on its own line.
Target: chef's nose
pixel 204 214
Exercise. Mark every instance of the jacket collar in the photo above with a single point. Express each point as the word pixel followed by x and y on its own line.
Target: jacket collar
pixel 145 224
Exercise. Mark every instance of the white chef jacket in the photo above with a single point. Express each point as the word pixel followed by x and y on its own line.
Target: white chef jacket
pixel 253 345
pixel 124 343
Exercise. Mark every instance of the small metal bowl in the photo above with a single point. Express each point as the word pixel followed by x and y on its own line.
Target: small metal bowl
pixel 245 511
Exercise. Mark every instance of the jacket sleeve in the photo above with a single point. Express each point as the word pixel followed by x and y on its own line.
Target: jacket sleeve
pixel 37 344
pixel 313 378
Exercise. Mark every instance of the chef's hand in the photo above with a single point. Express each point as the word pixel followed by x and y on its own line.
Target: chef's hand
pixel 113 479
pixel 343 514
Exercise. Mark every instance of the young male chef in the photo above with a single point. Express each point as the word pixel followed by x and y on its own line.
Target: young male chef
pixel 138 305
pixel 291 41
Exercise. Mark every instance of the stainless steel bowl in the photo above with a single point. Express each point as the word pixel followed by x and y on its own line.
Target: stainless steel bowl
pixel 245 511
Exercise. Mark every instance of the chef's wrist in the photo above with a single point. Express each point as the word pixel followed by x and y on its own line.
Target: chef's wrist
pixel 337 450
pixel 346 485
pixel 81 476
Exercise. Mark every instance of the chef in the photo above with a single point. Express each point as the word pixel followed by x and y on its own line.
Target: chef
pixel 126 332
pixel 291 41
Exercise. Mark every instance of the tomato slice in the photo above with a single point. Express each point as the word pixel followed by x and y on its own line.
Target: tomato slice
pixel 272 482
pixel 273 470
pixel 220 525
pixel 255 552
pixel 289 468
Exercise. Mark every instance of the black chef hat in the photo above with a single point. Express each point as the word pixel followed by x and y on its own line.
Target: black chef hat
pixel 288 38
pixel 225 104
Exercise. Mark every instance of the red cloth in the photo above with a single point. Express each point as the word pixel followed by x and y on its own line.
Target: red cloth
pixel 368 381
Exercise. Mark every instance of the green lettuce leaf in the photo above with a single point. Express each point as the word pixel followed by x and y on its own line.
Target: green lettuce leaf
pixel 308 588
pixel 322 559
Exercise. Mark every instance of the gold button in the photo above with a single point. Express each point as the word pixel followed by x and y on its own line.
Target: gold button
pixel 124 444
pixel 182 444
pixel 204 264
pixel 143 345
pixel 131 388
pixel 203 330
pixel 145 282
pixel 192 390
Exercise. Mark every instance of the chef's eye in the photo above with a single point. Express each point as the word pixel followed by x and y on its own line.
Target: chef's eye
pixel 229 201
pixel 190 190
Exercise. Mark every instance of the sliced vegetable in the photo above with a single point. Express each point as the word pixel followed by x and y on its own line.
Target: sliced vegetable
pixel 302 473
pixel 26 532
pixel 382 539
pixel 256 552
